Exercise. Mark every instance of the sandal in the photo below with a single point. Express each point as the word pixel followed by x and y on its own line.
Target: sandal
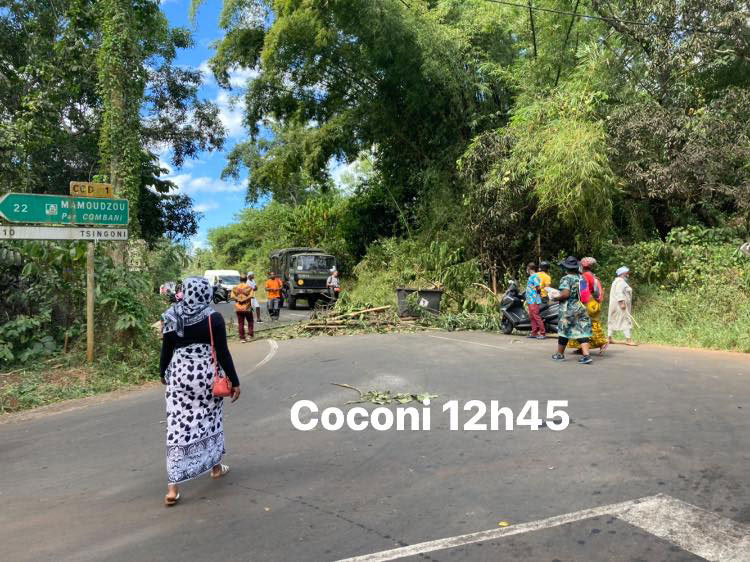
pixel 222 472
pixel 169 502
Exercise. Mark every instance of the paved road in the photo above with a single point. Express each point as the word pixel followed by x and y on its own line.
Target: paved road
pixel 286 317
pixel 87 483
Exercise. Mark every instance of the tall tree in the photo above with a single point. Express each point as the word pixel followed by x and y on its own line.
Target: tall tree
pixel 413 80
pixel 59 103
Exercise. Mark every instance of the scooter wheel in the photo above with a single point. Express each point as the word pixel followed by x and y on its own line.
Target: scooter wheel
pixel 506 326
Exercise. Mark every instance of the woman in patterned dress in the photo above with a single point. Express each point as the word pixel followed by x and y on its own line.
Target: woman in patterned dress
pixel 574 322
pixel 195 419
pixel 594 308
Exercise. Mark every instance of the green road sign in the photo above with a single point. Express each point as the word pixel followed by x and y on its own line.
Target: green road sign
pixel 61 209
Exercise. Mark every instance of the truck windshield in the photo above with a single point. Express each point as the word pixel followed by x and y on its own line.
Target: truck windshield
pixel 229 280
pixel 311 263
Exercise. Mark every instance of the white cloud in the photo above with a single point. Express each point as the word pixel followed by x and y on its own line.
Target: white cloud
pixel 230 115
pixel 238 77
pixel 166 166
pixel 190 164
pixel 208 76
pixel 205 207
pixel 190 185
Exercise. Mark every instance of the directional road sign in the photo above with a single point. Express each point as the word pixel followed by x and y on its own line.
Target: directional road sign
pixel 89 189
pixel 61 209
pixel 10 232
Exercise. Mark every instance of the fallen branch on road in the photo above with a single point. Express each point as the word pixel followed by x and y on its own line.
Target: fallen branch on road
pixel 385 396
pixel 359 312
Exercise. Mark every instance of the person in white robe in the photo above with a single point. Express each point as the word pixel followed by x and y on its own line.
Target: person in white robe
pixel 620 317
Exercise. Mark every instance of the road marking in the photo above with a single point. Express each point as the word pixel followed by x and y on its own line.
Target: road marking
pixel 691 528
pixel 271 352
pixel 468 341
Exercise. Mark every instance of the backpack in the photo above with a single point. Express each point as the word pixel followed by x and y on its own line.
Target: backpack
pixel 584 293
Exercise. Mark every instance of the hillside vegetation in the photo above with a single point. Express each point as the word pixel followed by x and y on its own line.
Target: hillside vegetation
pixel 480 136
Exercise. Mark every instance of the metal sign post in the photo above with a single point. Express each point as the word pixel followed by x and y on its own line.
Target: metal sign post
pixel 90 292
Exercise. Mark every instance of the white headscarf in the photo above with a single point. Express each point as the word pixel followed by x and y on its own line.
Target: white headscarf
pixel 194 306
pixel 623 269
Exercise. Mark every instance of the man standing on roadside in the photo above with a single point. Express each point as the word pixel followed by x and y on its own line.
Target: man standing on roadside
pixel 332 284
pixel 254 303
pixel 534 301
pixel 620 314
pixel 273 293
pixel 243 295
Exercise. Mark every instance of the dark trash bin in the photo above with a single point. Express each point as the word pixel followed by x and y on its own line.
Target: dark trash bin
pixel 427 300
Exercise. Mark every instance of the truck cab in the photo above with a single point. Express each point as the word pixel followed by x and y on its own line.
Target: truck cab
pixel 303 272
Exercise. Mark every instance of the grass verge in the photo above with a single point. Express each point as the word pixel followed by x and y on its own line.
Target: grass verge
pixel 69 376
pixel 701 318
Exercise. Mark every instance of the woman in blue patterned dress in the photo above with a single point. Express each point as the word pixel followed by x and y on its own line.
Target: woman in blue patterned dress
pixel 574 322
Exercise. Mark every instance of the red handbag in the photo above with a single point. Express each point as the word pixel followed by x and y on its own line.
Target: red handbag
pixel 222 386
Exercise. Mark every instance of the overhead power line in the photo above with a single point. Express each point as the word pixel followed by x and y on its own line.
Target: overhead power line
pixel 611 19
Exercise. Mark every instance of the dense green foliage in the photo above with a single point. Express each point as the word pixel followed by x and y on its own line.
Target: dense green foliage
pixel 89 91
pixel 510 140
pixel 43 292
pixel 497 135
pixel 482 135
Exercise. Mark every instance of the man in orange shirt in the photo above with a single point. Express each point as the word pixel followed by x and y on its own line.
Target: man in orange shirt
pixel 243 295
pixel 273 294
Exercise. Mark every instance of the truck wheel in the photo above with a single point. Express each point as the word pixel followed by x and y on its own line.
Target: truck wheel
pixel 292 303
pixel 506 326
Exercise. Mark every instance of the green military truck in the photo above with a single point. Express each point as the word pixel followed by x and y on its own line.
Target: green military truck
pixel 304 272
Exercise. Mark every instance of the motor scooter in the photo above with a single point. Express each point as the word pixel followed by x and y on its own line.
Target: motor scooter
pixel 221 294
pixel 515 316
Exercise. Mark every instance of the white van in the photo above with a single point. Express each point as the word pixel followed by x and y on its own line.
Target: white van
pixel 227 278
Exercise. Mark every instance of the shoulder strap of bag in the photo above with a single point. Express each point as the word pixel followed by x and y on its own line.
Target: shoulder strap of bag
pixel 213 349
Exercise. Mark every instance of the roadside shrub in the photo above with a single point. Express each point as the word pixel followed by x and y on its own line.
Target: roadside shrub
pixel 25 338
pixel 393 262
pixel 688 288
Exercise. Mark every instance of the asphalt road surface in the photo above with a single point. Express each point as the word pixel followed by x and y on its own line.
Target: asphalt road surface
pixel 285 317
pixel 655 464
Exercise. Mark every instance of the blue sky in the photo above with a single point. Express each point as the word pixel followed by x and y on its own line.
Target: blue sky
pixel 217 199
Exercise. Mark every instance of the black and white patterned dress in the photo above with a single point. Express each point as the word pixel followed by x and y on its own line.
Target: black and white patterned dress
pixel 195 419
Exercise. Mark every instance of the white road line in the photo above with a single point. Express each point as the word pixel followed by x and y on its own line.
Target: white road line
pixel 271 352
pixel 469 341
pixel 693 529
